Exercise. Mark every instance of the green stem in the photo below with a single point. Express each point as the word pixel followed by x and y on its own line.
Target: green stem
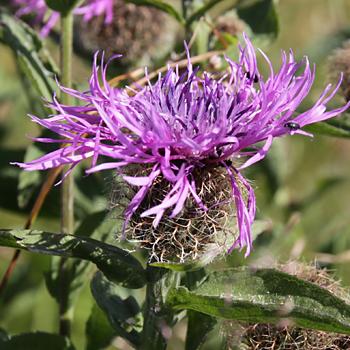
pixel 67 191
pixel 66 51
pixel 158 319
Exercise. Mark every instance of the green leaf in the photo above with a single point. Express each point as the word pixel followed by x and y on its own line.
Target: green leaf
pixel 36 341
pixel 260 15
pixel 63 6
pixel 117 264
pixel 160 5
pixel 34 61
pixel 97 225
pixel 265 295
pixel 39 71
pixel 123 314
pixel 99 332
pixel 324 128
pixel 193 279
pixel 199 325
pixel 179 267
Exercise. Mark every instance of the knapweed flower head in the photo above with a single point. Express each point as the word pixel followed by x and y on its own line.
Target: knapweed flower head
pixel 177 142
pixel 48 18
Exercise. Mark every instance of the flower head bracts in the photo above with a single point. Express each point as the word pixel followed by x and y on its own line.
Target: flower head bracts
pixel 185 122
pixel 48 18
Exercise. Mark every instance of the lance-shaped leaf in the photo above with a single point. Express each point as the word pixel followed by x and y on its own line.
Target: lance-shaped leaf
pixel 124 314
pixel 97 225
pixel 265 296
pixel 38 71
pixel 36 341
pixel 117 264
pixel 34 61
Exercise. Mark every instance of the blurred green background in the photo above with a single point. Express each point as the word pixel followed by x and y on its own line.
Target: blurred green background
pixel 302 187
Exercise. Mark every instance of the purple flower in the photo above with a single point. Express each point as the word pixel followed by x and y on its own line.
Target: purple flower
pixel 42 14
pixel 92 8
pixel 48 18
pixel 185 122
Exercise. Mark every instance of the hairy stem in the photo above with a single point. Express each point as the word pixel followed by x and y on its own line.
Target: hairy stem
pixel 67 194
pixel 158 319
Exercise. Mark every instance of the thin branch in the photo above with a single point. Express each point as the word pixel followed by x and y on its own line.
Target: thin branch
pixel 44 191
pixel 138 72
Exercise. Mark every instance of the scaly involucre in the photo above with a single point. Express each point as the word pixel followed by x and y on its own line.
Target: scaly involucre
pixel 184 122
pixel 48 18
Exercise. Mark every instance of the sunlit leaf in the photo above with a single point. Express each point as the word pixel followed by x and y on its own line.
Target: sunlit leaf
pixel 265 295
pixel 97 225
pixel 117 264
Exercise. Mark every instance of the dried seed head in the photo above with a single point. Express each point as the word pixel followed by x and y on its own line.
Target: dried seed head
pixel 194 233
pixel 139 33
pixel 339 62
pixel 230 23
pixel 263 336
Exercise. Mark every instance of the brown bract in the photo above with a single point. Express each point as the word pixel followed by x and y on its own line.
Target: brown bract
pixel 191 234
